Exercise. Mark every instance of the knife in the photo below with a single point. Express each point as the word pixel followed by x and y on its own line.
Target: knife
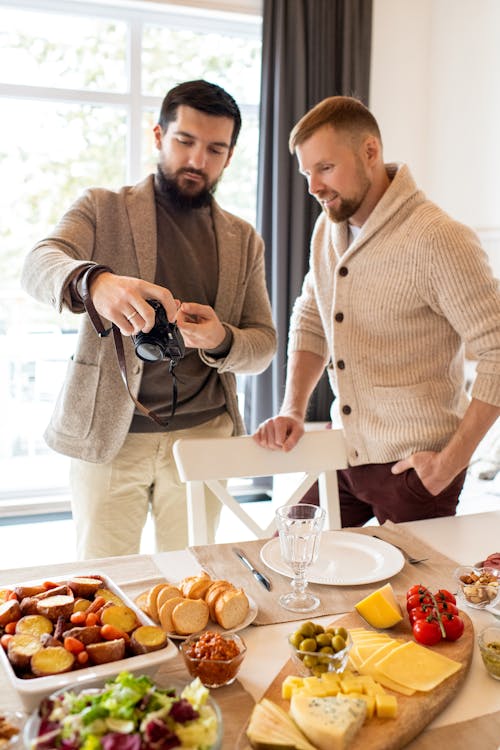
pixel 261 578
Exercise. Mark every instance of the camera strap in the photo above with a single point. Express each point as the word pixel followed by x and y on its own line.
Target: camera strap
pixel 103 332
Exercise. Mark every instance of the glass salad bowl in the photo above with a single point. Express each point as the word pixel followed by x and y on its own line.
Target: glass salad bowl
pixel 127 713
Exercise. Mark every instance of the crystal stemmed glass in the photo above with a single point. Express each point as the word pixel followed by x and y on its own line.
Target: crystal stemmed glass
pixel 299 528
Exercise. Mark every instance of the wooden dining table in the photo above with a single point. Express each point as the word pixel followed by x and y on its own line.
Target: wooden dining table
pixel 474 713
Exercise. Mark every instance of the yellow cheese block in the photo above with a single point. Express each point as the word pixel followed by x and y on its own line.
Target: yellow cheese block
pixel 386 706
pixel 380 609
pixel 416 667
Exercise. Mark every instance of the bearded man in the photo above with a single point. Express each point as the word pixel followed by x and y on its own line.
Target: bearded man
pixel 112 253
pixel 395 293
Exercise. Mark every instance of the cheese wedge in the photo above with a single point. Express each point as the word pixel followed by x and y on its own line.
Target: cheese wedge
pixel 380 609
pixel 417 667
pixel 270 727
pixel 329 723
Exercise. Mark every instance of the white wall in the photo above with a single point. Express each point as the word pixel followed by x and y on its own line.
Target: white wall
pixel 435 90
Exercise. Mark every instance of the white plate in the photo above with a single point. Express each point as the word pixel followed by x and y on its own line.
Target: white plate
pixel 345 559
pixel 214 627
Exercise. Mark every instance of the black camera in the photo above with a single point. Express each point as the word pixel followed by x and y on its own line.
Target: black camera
pixel 164 340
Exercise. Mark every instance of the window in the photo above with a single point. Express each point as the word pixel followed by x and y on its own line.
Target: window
pixel 81 84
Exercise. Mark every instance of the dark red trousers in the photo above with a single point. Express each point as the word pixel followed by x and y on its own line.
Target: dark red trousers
pixel 371 490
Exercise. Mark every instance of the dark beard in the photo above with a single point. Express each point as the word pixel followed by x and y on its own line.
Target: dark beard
pixel 167 186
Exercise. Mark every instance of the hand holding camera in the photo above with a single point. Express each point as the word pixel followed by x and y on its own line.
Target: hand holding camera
pixel 124 301
pixel 200 326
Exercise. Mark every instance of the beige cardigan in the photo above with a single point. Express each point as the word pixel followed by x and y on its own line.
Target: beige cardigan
pixel 118 229
pixel 413 287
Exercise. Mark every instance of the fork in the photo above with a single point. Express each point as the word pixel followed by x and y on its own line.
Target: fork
pixel 409 559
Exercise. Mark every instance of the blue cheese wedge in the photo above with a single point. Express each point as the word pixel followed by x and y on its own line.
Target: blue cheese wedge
pixel 331 722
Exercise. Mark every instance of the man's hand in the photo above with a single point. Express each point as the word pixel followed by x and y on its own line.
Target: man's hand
pixel 200 326
pixel 279 433
pixel 430 470
pixel 122 300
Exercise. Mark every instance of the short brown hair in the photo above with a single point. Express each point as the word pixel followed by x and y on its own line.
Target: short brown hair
pixel 341 112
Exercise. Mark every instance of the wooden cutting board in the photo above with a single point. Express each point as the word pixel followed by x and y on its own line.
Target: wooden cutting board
pixel 414 712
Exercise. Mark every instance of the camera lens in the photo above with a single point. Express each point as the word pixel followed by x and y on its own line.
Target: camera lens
pixel 149 351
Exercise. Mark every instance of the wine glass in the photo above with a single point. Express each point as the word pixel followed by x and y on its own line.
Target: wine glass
pixel 299 528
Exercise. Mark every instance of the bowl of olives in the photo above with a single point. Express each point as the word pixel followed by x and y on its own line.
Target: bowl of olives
pixel 316 649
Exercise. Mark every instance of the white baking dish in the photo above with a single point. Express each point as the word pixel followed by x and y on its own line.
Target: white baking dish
pixel 33 689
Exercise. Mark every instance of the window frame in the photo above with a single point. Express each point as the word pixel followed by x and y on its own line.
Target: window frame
pixel 238 17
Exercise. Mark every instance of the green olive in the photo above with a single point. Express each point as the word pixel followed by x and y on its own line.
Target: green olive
pixel 338 643
pixel 324 639
pixel 310 661
pixel 307 629
pixel 342 632
pixel 318 628
pixel 308 644
pixel 326 650
pixel 296 638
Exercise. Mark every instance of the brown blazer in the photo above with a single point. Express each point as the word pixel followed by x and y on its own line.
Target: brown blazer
pixel 93 412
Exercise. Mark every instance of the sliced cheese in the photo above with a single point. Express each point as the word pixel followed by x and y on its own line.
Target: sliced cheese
pixel 380 608
pixel 329 723
pixel 417 667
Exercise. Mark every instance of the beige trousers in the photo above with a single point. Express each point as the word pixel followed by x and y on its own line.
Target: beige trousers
pixel 110 502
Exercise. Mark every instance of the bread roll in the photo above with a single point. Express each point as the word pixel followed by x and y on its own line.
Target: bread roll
pixel 231 608
pixel 167 592
pixel 190 616
pixel 213 593
pixel 151 600
pixel 165 613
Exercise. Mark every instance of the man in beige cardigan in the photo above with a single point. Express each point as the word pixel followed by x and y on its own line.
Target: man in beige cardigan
pixel 394 291
pixel 165 239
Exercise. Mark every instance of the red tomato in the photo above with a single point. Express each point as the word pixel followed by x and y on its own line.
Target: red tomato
pixel 420 613
pixel 417 589
pixel 417 600
pixel 448 608
pixel 453 626
pixel 427 631
pixel 445 596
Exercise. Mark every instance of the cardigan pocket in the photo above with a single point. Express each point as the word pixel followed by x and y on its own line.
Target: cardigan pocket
pixel 414 400
pixel 74 409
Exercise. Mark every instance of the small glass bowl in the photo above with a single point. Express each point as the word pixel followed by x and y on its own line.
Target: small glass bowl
pixel 209 663
pixel 478 587
pixel 318 662
pixel 11 728
pixel 489 646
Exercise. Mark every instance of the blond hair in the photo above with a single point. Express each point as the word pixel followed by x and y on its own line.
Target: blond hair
pixel 344 113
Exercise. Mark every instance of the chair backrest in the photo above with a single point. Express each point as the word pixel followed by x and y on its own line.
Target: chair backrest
pixel 208 462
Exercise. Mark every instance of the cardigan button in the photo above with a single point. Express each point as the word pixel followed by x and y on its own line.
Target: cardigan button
pixel 346 409
pixel 339 317
pixel 343 271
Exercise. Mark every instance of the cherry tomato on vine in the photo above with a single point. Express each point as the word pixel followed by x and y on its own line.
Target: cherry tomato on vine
pixel 427 631
pixel 447 607
pixel 453 626
pixel 444 595
pixel 417 600
pixel 416 589
pixel 420 613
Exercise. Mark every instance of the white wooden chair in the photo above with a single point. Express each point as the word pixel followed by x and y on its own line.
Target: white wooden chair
pixel 208 462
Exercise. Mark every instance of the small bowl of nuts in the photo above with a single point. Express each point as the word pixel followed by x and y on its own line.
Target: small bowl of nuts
pixel 478 587
pixel 316 649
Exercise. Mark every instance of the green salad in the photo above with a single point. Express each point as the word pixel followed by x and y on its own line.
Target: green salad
pixel 128 713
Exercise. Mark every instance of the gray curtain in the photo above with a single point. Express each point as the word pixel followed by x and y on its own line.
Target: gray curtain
pixel 311 49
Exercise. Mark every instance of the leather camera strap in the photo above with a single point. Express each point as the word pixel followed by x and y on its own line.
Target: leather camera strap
pixel 102 332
